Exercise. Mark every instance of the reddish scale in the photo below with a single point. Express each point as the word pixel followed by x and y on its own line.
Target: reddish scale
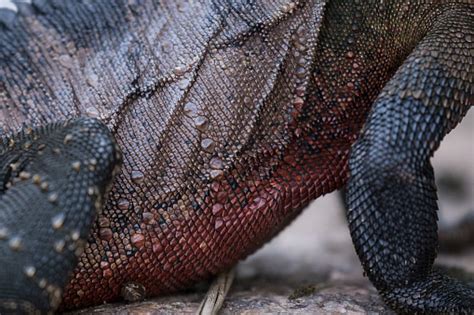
pixel 183 252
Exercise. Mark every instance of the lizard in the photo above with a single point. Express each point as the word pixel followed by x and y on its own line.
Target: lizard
pixel 227 118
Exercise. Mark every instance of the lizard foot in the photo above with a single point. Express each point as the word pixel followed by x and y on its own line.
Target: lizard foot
pixel 429 296
pixel 52 182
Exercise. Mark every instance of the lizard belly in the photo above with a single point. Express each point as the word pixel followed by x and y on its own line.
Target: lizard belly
pixel 168 250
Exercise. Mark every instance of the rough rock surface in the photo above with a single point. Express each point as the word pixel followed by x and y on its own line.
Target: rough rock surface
pixel 265 296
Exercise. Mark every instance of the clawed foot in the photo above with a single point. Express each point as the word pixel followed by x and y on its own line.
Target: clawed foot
pixel 437 294
pixel 52 182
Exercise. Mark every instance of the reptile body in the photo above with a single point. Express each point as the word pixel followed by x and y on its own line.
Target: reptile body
pixel 231 117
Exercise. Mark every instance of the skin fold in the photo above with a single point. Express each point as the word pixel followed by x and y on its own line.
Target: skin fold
pixel 230 116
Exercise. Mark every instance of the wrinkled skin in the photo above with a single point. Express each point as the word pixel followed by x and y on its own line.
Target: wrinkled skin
pixel 231 117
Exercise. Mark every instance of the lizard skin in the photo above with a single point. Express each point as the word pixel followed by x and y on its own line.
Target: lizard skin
pixel 232 116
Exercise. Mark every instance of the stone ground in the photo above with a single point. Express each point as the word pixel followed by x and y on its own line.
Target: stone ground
pixel 311 267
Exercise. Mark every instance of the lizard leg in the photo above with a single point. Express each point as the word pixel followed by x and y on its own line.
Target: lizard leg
pixel 391 191
pixel 212 302
pixel 52 182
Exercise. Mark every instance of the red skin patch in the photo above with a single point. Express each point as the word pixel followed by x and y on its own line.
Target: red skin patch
pixel 233 223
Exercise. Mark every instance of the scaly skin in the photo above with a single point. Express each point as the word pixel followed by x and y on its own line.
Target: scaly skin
pixel 232 116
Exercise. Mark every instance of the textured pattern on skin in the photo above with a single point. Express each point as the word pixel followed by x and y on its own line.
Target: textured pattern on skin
pixel 53 180
pixel 391 191
pixel 231 115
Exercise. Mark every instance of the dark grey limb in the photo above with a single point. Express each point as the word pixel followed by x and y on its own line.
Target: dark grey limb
pixel 391 192
pixel 52 183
